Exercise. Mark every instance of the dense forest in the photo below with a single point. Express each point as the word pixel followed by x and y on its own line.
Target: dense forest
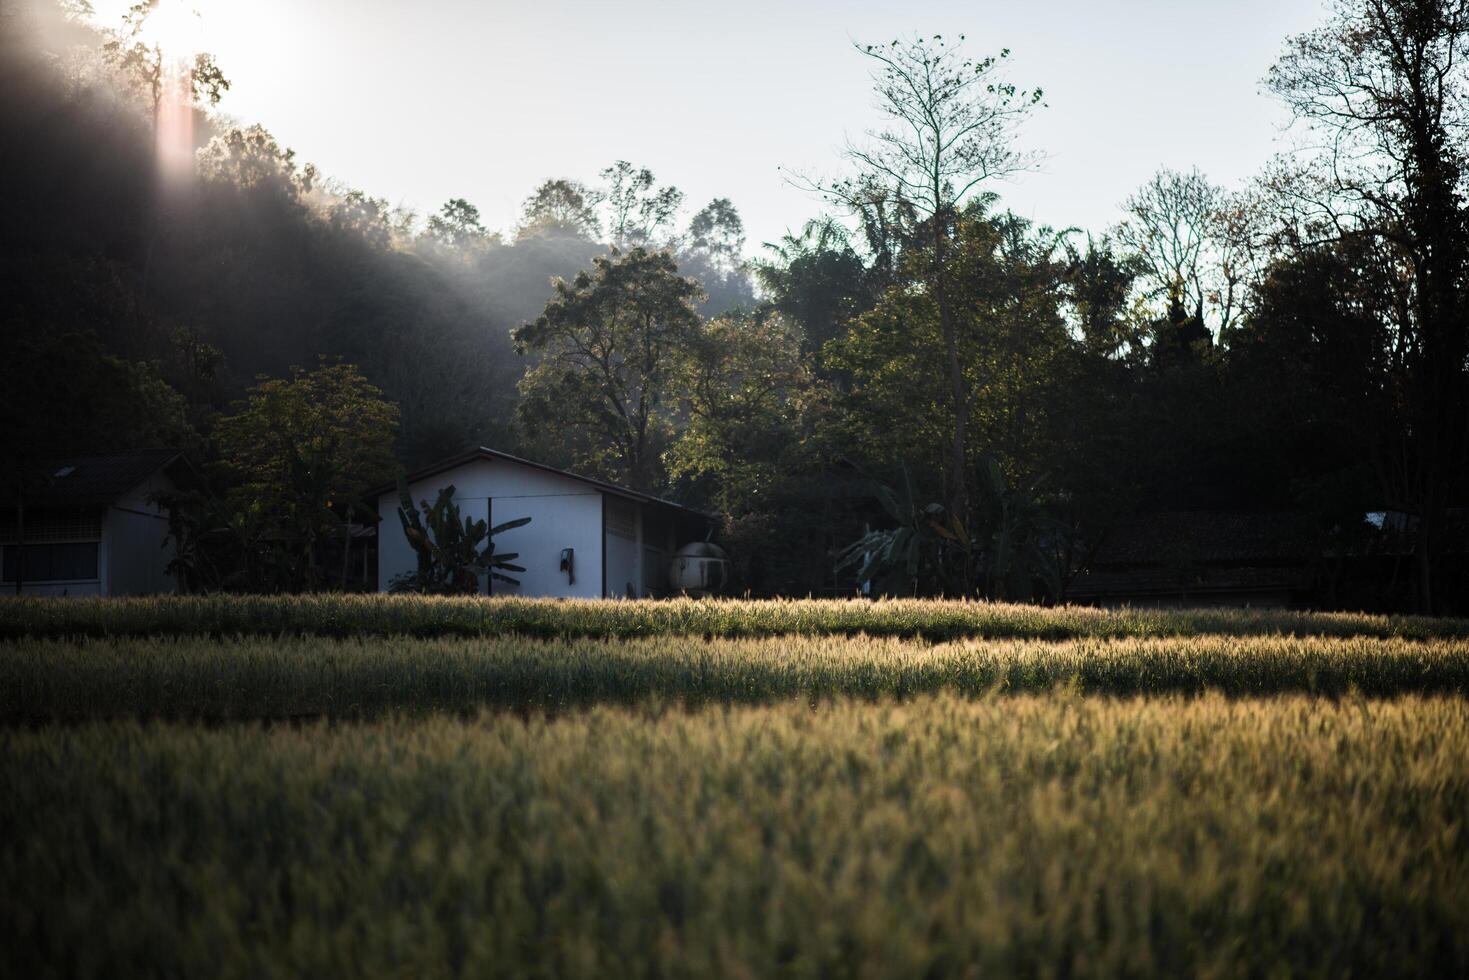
pixel 919 390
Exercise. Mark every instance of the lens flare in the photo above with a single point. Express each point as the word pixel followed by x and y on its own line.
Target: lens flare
pixel 172 31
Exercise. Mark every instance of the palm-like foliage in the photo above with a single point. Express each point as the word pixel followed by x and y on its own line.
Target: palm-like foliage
pixel 450 556
pixel 898 549
pixel 1002 543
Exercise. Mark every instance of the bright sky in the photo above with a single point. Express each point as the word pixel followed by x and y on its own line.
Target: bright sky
pixel 483 99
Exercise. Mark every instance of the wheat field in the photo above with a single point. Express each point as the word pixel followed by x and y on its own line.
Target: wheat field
pixel 809 803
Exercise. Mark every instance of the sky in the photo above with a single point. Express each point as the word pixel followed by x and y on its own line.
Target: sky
pixel 422 101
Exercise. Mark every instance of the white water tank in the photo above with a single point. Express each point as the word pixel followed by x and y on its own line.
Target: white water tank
pixel 698 568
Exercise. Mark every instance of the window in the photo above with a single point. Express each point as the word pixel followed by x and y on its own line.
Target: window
pixel 72 562
pixel 53 526
pixel 622 517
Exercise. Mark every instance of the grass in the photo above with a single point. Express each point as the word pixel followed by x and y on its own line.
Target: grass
pixel 293 677
pixel 1034 836
pixel 342 616
pixel 372 786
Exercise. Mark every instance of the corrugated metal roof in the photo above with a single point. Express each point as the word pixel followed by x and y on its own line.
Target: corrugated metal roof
pixel 85 481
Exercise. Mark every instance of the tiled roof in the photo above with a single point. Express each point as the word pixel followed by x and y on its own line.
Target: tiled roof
pixel 86 481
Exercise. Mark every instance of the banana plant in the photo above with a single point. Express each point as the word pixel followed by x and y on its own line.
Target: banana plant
pixel 448 547
pixel 1002 543
pixel 1015 528
pixel 898 549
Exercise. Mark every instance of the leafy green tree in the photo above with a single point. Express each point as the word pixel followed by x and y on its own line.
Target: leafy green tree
pixel 452 553
pixel 251 158
pixel 718 233
pixel 300 452
pixel 1010 333
pixel 609 343
pixel 370 218
pixel 749 395
pixel 65 394
pixel 560 208
pixel 952 122
pixel 638 211
pixel 1381 89
pixel 818 280
pixel 457 225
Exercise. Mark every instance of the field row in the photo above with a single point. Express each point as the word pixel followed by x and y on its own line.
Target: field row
pixel 346 615
pixel 296 677
pixel 1029 836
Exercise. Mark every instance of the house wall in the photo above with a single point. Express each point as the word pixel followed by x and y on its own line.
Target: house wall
pixel 564 513
pixel 65 589
pixel 623 571
pixel 136 549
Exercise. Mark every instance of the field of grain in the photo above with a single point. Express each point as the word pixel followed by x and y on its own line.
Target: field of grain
pixel 1029 792
pixel 386 615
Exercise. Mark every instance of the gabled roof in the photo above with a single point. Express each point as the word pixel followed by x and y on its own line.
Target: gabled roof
pixel 486 453
pixel 86 481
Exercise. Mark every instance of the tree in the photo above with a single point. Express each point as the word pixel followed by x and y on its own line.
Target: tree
pixel 300 453
pixel 952 127
pixel 457 225
pixel 251 158
pixel 747 388
pixel 65 394
pixel 560 207
pixel 718 233
pixel 637 210
pixel 137 49
pixel 370 218
pixel 1187 235
pixel 609 342
pixel 818 280
pixel 1009 328
pixel 1381 87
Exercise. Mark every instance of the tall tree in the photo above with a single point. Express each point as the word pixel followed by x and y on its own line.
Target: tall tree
pixel 457 225
pixel 745 385
pixel 718 233
pixel 1186 233
pixel 952 123
pixel 817 279
pixel 1382 87
pixel 137 49
pixel 609 342
pixel 638 211
pixel 301 452
pixel 560 207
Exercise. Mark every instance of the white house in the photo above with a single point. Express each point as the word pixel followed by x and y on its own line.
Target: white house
pixel 89 525
pixel 586 538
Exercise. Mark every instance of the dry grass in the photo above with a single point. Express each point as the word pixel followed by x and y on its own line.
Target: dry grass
pixel 1035 836
pixel 292 677
pixel 347 615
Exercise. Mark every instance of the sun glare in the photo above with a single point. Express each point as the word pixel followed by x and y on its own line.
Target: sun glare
pixel 174 28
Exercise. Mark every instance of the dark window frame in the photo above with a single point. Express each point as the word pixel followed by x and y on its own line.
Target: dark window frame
pixel 60 565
